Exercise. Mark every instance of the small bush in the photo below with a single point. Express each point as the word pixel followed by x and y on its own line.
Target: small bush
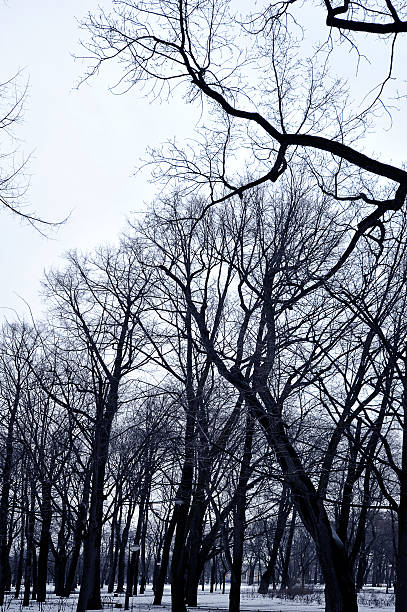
pixel 301 594
pixel 376 600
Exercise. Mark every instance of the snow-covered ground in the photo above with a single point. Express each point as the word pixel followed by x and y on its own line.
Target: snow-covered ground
pixel 251 601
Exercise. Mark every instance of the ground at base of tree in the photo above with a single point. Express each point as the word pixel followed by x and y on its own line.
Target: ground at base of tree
pixel 369 600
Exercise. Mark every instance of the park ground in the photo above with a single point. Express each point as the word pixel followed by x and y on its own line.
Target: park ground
pixel 369 600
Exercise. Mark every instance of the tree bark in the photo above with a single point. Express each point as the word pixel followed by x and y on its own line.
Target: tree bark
pixel 196 517
pixel 122 551
pixel 143 573
pixel 401 562
pixel 269 573
pixel 181 510
pixel 89 595
pixel 213 575
pixel 239 518
pixel 79 530
pixel 162 572
pixel 20 563
pixel 4 500
pixel 60 556
pixel 114 545
pixel 46 515
pixel 285 573
pixel 28 570
pixel 34 574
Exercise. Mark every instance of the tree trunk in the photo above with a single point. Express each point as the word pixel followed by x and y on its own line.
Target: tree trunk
pixel 283 512
pixel 401 563
pixel 106 409
pixel 34 574
pixel 60 557
pixel 351 477
pixel 131 565
pixel 29 549
pixel 4 500
pixel 20 563
pixel 89 594
pixel 137 538
pixel 181 510
pixel 194 569
pixel 162 572
pixel 213 575
pixel 60 570
pixel 79 530
pixel 340 591
pixel 250 580
pixel 46 515
pixel 114 544
pixel 122 552
pixel 143 573
pixel 199 548
pixel 239 518
pixel 285 573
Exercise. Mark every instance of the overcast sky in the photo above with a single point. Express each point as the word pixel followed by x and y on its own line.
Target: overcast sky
pixel 86 143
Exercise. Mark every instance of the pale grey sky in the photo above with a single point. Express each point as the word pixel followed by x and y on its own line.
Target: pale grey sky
pixel 87 142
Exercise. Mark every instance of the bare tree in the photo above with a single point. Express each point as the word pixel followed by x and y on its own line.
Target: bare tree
pixel 13 184
pixel 99 301
pixel 382 306
pixel 266 253
pixel 14 373
pixel 381 17
pixel 297 112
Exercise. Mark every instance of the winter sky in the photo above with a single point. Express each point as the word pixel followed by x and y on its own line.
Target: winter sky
pixel 84 143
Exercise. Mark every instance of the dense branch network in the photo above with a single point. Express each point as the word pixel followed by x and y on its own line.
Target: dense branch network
pixel 380 18
pixel 162 43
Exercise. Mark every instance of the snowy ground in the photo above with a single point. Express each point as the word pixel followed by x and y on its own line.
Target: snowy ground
pixel 370 599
